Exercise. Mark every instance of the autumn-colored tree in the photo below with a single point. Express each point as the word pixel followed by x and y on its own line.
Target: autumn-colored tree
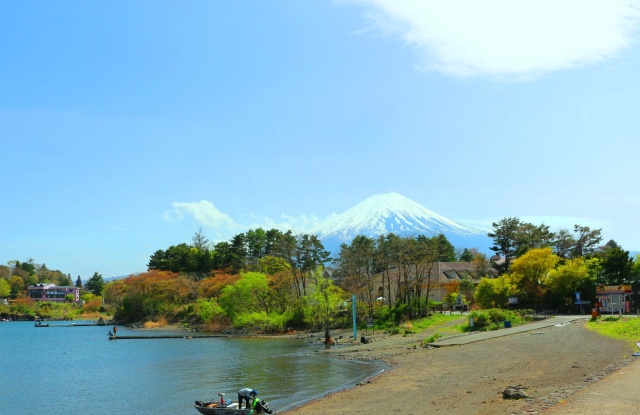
pixel 451 287
pixel 146 296
pixel 92 303
pixel 212 287
pixel 5 271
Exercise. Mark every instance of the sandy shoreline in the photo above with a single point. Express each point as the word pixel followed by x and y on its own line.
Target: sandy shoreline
pixel 549 364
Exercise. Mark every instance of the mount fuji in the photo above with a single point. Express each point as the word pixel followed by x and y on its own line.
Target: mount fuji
pixel 393 213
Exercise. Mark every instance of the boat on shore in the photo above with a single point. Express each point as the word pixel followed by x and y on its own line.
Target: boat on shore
pixel 229 408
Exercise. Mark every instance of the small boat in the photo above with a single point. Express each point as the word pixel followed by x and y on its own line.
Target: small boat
pixel 41 324
pixel 228 408
pixel 212 408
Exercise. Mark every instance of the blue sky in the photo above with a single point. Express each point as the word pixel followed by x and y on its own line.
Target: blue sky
pixel 127 126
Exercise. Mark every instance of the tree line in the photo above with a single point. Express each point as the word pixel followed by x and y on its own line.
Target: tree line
pixel 546 269
pixel 273 279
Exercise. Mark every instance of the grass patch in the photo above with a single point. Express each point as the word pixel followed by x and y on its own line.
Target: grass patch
pixel 621 328
pixel 436 320
pixel 433 338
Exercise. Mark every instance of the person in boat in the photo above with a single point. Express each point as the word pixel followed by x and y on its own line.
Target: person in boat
pixel 246 394
pixel 258 406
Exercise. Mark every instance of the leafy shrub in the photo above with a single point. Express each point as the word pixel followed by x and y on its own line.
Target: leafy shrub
pixel 267 323
pixel 208 310
pixel 493 318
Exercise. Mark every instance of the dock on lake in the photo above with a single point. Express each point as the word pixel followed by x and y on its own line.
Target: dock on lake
pixel 168 336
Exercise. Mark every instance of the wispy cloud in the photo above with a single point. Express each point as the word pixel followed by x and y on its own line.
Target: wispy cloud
pixel 506 38
pixel 205 214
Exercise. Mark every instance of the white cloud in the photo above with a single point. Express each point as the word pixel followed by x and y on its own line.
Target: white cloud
pixel 507 38
pixel 203 212
pixel 285 223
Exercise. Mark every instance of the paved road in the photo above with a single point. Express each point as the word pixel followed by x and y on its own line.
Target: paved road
pixel 618 393
pixel 485 335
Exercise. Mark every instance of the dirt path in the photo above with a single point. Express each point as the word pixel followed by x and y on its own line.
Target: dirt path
pixel 551 364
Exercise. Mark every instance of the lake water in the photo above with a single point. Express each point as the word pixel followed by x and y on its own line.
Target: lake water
pixel 77 370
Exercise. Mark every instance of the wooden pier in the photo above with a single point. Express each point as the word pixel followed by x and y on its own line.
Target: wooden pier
pixel 168 336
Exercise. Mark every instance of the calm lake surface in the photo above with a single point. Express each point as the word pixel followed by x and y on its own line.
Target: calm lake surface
pixel 77 370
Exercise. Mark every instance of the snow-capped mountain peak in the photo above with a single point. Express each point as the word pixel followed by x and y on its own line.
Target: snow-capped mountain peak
pixel 389 213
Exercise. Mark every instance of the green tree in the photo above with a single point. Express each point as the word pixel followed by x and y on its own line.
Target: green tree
pixel 249 294
pixel 505 240
pixel 466 255
pixel 596 272
pixel 200 241
pixel 446 251
pixel 272 265
pixel 238 253
pixel 616 264
pixel 5 288
pixel 256 241
pixel 304 253
pixel 564 244
pixel 78 282
pixel 635 269
pixel 564 281
pixel 29 266
pixel 357 263
pixel 324 302
pixel 493 292
pixel 467 287
pixel 222 256
pixel 587 240
pixel 513 238
pixel 95 284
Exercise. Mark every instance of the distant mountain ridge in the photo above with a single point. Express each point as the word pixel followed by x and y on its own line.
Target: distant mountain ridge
pixel 393 213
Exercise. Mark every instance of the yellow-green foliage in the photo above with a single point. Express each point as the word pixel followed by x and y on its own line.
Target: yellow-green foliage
pixel 435 320
pixel 624 328
pixel 44 309
pixel 208 310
